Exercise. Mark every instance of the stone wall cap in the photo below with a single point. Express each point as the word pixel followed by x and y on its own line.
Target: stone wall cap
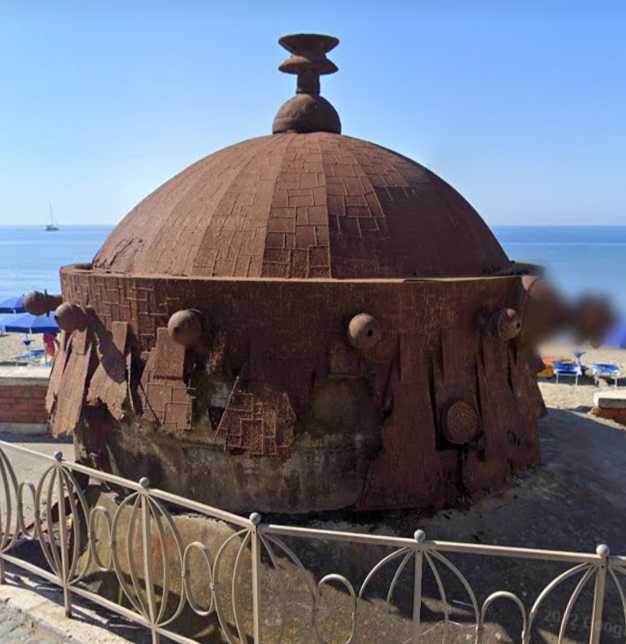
pixel 19 376
pixel 615 399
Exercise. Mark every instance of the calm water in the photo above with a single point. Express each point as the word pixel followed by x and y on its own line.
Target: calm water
pixel 577 258
pixel 30 257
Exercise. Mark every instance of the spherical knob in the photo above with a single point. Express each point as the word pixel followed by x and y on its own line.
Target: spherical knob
pixel 71 317
pixel 507 324
pixel 461 423
pixel 185 327
pixel 603 550
pixel 37 303
pixel 364 332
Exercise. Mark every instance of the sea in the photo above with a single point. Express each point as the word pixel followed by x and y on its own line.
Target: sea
pixel 578 259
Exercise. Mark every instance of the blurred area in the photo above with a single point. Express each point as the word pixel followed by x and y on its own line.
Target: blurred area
pixel 578 259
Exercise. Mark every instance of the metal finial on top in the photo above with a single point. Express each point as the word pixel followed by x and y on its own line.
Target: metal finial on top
pixel 307 111
pixel 308 60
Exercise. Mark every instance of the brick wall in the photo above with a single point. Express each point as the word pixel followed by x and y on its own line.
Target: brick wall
pixel 22 402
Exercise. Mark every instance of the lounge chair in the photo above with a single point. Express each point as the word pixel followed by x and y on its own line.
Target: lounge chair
pixel 570 369
pixel 32 355
pixel 605 370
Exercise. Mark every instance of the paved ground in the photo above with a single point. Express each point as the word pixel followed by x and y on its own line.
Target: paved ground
pixel 16 627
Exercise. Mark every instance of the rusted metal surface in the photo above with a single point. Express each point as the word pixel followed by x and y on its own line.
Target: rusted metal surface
pixel 167 399
pixel 109 382
pixel 283 371
pixel 56 375
pixel 73 382
pixel 306 322
pixel 290 206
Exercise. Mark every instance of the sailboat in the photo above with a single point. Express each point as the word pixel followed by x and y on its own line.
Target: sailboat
pixel 51 226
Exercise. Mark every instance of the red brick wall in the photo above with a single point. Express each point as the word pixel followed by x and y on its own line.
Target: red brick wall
pixel 23 403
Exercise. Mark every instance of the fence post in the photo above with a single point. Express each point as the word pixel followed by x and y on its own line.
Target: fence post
pixel 255 547
pixel 146 530
pixel 595 630
pixel 420 537
pixel 65 542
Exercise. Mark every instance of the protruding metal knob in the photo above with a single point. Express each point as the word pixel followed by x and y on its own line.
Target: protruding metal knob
pixel 461 423
pixel 364 332
pixel 37 303
pixel 71 317
pixel 186 327
pixel 505 324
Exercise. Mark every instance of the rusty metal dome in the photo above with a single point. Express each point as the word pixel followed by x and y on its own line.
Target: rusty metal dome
pixel 305 202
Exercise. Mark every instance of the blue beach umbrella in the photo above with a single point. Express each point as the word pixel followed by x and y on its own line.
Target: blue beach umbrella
pixel 617 336
pixel 27 323
pixel 13 305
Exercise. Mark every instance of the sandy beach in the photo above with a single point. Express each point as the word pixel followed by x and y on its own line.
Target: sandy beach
pixel 11 345
pixel 566 395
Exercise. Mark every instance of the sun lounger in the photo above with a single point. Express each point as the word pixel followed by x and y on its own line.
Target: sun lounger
pixel 567 369
pixel 605 370
pixel 31 355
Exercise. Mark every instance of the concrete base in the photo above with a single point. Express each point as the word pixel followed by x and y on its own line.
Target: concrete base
pixel 615 399
pixel 25 429
pixel 610 405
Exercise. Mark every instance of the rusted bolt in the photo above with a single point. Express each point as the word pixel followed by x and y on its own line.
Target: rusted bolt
pixel 506 324
pixel 364 332
pixel 186 327
pixel 461 423
pixel 37 303
pixel 71 317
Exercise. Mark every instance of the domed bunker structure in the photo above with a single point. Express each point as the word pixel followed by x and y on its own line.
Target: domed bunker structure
pixel 303 322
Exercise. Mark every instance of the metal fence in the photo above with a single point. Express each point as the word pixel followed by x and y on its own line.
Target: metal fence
pixel 160 568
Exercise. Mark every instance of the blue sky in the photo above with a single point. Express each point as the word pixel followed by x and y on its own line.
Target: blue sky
pixel 520 105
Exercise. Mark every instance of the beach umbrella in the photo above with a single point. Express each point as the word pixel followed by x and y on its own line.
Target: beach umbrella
pixel 617 336
pixel 13 305
pixel 27 323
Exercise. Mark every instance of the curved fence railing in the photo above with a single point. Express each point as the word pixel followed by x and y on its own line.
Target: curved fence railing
pixel 177 573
